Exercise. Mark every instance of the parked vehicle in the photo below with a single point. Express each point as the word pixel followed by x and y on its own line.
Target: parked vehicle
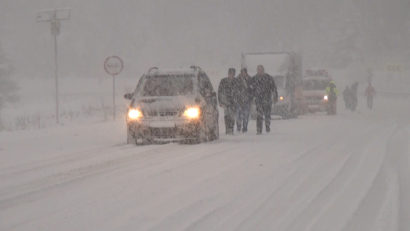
pixel 286 69
pixel 173 106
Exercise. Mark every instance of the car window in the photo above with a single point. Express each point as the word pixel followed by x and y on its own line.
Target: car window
pixel 313 84
pixel 205 85
pixel 167 85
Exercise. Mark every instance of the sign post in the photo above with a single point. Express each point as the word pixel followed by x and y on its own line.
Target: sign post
pixel 113 65
pixel 54 17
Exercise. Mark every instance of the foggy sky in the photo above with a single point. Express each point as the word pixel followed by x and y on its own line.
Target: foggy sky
pixel 209 33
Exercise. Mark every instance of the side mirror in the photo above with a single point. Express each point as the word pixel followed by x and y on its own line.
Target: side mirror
pixel 128 96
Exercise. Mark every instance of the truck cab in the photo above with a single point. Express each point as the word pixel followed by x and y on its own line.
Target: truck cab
pixel 314 92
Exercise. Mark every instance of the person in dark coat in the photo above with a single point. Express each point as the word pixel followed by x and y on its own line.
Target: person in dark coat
pixel 354 99
pixel 346 97
pixel 227 100
pixel 264 89
pixel 369 93
pixel 332 93
pixel 244 98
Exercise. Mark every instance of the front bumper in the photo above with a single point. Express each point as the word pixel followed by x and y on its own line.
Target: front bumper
pixel 163 130
pixel 315 106
pixel 280 108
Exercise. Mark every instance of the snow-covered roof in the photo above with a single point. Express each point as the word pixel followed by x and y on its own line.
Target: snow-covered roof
pixel 175 71
pixel 274 63
pixel 316 78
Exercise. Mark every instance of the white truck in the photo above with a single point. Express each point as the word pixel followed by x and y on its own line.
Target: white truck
pixel 286 69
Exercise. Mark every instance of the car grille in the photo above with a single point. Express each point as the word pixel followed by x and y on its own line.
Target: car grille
pixel 163 132
pixel 319 98
pixel 161 113
pixel 314 100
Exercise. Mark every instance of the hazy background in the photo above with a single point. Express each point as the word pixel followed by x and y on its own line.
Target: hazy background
pixel 346 36
pixel 207 32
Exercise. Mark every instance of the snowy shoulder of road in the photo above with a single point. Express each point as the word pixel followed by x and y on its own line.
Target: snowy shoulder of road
pixel 344 172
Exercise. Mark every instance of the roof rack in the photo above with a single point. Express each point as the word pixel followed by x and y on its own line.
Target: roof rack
pixel 152 69
pixel 195 67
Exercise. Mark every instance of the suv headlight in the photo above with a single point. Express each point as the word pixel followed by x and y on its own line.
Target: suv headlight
pixel 325 97
pixel 192 112
pixel 134 114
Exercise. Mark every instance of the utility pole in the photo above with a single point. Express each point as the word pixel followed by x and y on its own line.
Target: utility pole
pixel 54 17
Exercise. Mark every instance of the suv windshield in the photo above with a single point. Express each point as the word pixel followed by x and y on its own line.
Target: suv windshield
pixel 168 85
pixel 315 84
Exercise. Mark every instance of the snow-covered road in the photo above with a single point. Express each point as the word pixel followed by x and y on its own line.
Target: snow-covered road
pixel 347 172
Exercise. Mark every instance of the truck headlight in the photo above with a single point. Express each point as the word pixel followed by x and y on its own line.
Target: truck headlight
pixel 325 97
pixel 281 98
pixel 134 114
pixel 192 113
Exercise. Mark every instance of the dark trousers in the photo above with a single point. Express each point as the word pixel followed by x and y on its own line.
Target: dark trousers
pixel 242 117
pixel 370 102
pixel 331 107
pixel 229 117
pixel 263 110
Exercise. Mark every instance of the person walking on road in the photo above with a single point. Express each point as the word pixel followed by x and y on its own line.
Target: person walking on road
pixel 332 93
pixel 354 98
pixel 346 97
pixel 227 100
pixel 264 91
pixel 244 98
pixel 370 92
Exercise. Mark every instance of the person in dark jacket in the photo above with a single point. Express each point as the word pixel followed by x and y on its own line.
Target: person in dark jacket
pixel 264 89
pixel 353 92
pixel 346 97
pixel 332 93
pixel 227 100
pixel 244 98
pixel 369 93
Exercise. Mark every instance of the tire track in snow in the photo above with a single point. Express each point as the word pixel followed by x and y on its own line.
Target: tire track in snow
pixel 355 189
pixel 274 206
pixel 327 195
pixel 393 182
pixel 26 192
pixel 126 168
pixel 208 183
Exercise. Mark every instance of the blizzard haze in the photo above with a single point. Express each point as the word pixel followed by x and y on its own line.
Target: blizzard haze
pixel 313 171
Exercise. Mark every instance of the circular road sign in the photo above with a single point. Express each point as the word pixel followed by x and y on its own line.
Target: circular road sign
pixel 113 65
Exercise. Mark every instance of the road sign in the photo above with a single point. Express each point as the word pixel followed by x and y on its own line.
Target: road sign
pixel 53 14
pixel 394 67
pixel 113 65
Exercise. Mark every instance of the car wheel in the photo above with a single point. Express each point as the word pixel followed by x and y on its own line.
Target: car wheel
pixel 201 135
pixel 139 141
pixel 130 137
pixel 285 114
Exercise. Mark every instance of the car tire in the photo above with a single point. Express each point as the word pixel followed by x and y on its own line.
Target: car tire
pixel 285 114
pixel 130 137
pixel 201 135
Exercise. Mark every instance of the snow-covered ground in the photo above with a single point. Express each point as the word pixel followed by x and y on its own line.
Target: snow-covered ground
pixel 344 172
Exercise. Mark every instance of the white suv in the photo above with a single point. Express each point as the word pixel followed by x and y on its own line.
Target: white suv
pixel 172 106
